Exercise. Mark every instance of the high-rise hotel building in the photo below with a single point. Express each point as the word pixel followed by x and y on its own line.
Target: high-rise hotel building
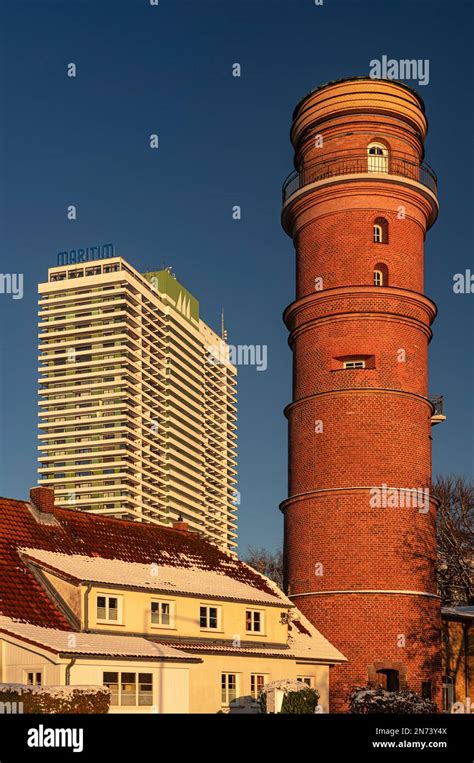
pixel 137 403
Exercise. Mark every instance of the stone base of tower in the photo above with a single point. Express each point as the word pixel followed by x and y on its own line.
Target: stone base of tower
pixel 384 637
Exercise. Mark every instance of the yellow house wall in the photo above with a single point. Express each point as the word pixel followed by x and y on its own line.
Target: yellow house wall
pixel 177 688
pixel 136 617
pixel 170 683
pixel 205 679
pixel 170 680
pixel 18 661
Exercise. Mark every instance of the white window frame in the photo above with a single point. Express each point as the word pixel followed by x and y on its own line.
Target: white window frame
pixel 137 674
pixel 378 234
pixel 308 680
pixel 378 278
pixel 225 701
pixel 350 364
pixel 219 617
pixel 252 613
pixel 107 596
pixel 160 603
pixel 35 673
pixel 253 693
pixel 377 161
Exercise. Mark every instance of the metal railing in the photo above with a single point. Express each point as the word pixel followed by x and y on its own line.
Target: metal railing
pixel 355 164
pixel 438 402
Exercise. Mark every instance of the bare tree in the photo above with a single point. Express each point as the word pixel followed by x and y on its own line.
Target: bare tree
pixel 267 562
pixel 455 535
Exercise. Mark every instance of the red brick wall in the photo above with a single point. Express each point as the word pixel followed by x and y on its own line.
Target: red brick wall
pixel 339 248
pixel 335 540
pixel 400 352
pixel 353 430
pixel 335 138
pixel 368 628
pixel 367 439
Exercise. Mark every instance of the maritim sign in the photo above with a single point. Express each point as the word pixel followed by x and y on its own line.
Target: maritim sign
pixel 100 252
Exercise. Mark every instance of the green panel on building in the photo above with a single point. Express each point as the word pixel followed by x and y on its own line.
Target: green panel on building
pixel 165 283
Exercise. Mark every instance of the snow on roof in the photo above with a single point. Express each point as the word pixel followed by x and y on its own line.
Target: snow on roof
pixel 310 646
pixel 304 642
pixel 154 577
pixel 128 553
pixel 64 642
pixel 22 596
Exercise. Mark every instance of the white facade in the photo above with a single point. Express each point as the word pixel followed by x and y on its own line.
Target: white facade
pixel 135 421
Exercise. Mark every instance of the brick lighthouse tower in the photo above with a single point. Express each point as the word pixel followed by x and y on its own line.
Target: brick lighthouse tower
pixel 359 520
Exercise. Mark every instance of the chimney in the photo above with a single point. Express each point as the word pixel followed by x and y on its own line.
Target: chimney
pixel 43 499
pixel 181 525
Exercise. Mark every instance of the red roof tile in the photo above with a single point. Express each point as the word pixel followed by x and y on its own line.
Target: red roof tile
pixel 23 598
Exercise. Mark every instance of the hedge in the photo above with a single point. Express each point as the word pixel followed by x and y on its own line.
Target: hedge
pixel 54 699
pixel 364 700
pixel 299 698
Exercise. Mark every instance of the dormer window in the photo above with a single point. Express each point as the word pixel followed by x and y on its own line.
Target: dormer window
pixel 109 609
pixel 210 618
pixel 254 621
pixel 162 614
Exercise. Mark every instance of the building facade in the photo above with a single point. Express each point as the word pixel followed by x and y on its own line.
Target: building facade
pixel 163 618
pixel 359 520
pixel 137 417
pixel 458 659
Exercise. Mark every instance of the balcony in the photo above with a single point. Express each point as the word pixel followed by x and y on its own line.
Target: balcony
pixel 395 164
pixel 438 413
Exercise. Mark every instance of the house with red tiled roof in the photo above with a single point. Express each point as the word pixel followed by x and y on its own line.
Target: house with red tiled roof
pixel 168 621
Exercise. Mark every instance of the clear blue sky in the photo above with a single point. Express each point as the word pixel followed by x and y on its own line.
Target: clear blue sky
pixel 223 141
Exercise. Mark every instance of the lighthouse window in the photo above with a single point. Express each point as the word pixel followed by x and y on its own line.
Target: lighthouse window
pixel 380 231
pixel 354 364
pixel 380 274
pixel 377 157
